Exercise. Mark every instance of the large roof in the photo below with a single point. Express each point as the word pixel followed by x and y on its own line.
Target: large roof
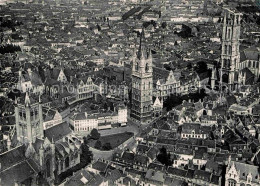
pixel 57 132
pixel 246 169
pixel 251 53
pixel 15 167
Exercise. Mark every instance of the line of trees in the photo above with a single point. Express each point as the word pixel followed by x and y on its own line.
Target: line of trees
pixel 174 100
pixel 10 48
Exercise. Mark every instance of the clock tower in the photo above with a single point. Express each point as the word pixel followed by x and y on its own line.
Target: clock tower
pixel 29 119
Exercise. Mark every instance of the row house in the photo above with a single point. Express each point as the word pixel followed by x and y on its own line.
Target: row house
pixel 29 81
pixel 195 130
pixel 99 120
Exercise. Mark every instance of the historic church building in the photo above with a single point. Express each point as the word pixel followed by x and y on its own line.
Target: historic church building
pixel 238 68
pixel 36 154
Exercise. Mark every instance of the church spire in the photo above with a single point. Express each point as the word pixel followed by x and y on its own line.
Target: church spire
pixel 141 48
pixel 27 101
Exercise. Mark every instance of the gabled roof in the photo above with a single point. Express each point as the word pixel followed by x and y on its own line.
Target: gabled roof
pixel 100 166
pixel 12 157
pixel 83 177
pixel 249 76
pixel 246 169
pixel 251 53
pixel 128 157
pixel 48 114
pixel 156 176
pixel 19 172
pixel 57 132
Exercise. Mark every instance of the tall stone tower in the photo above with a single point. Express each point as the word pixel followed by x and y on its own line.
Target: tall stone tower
pixel 29 119
pixel 230 56
pixel 142 84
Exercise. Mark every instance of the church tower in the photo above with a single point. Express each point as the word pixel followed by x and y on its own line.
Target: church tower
pixel 142 84
pixel 230 56
pixel 29 119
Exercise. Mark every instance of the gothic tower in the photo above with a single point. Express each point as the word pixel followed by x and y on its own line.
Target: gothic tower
pixel 29 119
pixel 230 56
pixel 142 84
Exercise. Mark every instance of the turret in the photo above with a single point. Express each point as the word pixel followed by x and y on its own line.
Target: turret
pixel 41 154
pixel 244 78
pixel 40 118
pixel 9 143
pixel 53 158
pixel 28 118
pixel 27 101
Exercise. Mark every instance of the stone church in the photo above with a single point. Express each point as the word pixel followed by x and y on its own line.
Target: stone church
pixel 36 154
pixel 238 67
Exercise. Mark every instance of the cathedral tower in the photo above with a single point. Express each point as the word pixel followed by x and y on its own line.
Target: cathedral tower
pixel 28 118
pixel 230 56
pixel 142 84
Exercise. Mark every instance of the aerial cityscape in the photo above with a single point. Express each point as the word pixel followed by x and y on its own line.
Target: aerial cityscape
pixel 130 92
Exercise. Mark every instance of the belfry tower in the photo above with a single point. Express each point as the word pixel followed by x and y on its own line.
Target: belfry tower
pixel 142 84
pixel 29 119
pixel 230 56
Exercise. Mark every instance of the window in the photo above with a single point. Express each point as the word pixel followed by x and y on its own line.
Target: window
pixel 231 182
pixel 146 67
pixel 228 34
pixel 136 66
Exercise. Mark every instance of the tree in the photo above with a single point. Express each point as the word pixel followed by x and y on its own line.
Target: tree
pixel 107 146
pixel 41 73
pixel 164 25
pixel 164 157
pixel 105 106
pixel 98 144
pixel 189 66
pixel 15 93
pixel 95 134
pixel 86 155
pixel 201 67
pixel 112 107
pixel 9 49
